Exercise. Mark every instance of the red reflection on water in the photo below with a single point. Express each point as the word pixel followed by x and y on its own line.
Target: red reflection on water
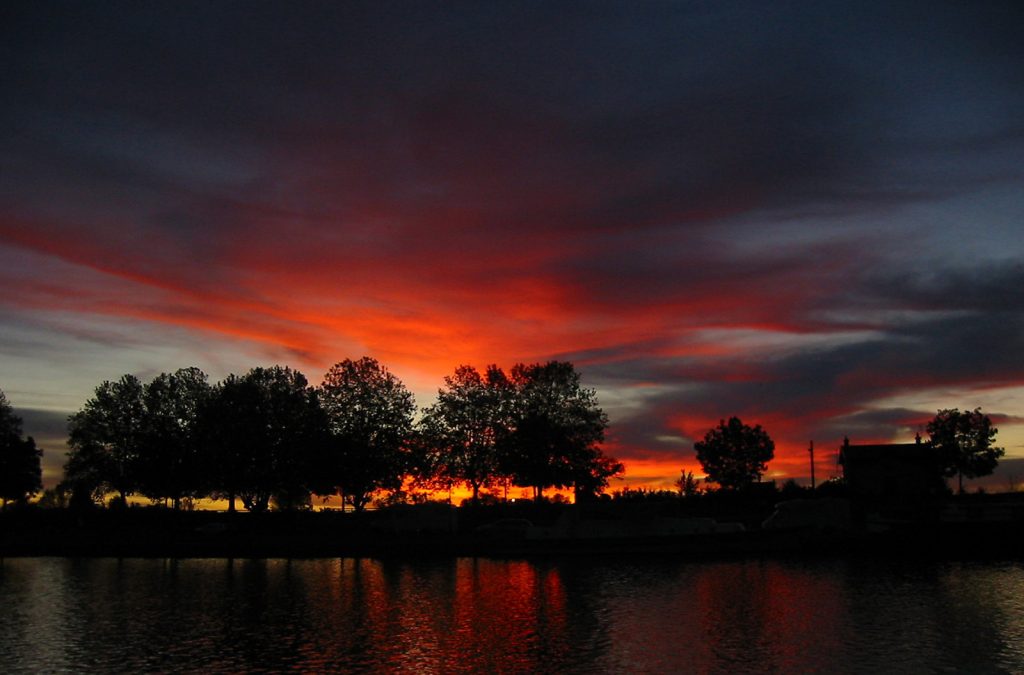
pixel 770 614
pixel 508 615
pixel 442 616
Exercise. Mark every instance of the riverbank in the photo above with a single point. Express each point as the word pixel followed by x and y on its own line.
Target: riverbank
pixel 445 532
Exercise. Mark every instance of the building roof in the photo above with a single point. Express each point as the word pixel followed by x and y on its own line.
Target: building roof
pixel 880 451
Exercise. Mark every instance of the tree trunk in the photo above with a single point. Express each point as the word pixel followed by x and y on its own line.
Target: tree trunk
pixel 231 502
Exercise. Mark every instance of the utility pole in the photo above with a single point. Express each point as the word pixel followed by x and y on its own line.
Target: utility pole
pixel 811 451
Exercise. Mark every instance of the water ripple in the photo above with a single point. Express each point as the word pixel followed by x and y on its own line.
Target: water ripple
pixel 473 615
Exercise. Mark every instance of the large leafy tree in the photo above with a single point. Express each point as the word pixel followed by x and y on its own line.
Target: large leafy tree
pixel 169 463
pixel 20 469
pixel 370 423
pixel 262 431
pixel 106 437
pixel 460 431
pixel 735 455
pixel 965 440
pixel 554 431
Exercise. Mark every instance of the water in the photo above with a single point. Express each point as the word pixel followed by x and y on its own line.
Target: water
pixel 478 615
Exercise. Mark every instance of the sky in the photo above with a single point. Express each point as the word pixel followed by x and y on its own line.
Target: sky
pixel 804 214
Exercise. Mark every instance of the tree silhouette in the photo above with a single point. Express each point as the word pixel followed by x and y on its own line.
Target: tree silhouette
pixel 592 470
pixel 965 441
pixel 169 459
pixel 226 431
pixel 686 484
pixel 735 455
pixel 105 438
pixel 20 470
pixel 262 431
pixel 370 423
pixel 460 431
pixel 554 430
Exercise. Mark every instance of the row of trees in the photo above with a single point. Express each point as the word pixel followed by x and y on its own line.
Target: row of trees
pixel 734 455
pixel 268 434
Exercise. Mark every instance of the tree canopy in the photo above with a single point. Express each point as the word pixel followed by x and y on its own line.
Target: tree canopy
pixel 965 440
pixel 369 415
pixel 735 455
pixel 555 426
pixel 460 432
pixel 105 438
pixel 267 436
pixel 20 469
pixel 263 431
pixel 169 462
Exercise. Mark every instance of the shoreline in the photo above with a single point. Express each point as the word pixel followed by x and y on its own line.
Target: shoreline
pixel 184 535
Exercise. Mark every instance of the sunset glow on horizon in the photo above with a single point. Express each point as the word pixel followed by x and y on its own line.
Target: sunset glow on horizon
pixel 807 218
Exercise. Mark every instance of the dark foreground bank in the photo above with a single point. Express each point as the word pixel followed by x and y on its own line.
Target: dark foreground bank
pixel 445 531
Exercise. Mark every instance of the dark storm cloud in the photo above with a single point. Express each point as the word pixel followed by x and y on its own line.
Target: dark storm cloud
pixel 996 287
pixel 640 115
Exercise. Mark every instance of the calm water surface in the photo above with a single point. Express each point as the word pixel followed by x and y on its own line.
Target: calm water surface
pixel 471 615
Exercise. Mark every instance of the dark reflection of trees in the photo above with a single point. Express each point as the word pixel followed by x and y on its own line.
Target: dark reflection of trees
pixel 266 619
pixel 160 615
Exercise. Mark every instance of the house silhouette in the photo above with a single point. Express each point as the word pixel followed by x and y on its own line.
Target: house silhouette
pixel 892 471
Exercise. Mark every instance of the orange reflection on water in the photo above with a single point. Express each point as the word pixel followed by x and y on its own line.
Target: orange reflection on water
pixel 438 616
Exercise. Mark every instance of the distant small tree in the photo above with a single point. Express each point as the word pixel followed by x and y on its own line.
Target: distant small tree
pixel 965 440
pixel 370 424
pixel 20 469
pixel 687 484
pixel 735 455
